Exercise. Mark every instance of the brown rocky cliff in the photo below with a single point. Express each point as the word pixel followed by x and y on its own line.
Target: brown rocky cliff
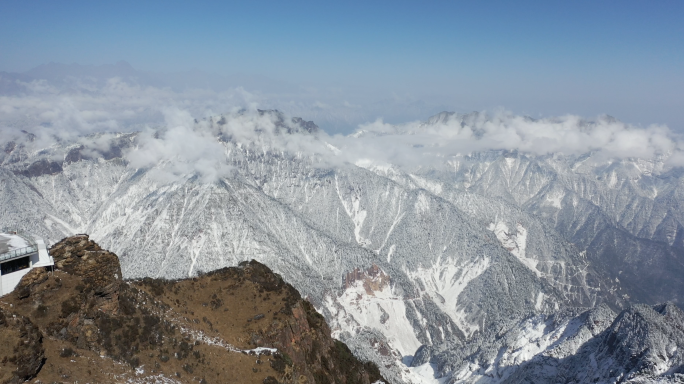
pixel 98 270
pixel 373 279
pixel 95 327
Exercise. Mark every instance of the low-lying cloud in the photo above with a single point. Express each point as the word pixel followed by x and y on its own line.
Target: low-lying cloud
pixel 447 135
pixel 179 151
pixel 180 133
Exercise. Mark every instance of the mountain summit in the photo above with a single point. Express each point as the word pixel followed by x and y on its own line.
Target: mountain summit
pixel 84 323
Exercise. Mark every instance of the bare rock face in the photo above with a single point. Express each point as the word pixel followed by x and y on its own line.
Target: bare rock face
pixel 32 279
pixel 82 322
pixel 99 269
pixel 21 348
pixel 373 279
pixel 81 256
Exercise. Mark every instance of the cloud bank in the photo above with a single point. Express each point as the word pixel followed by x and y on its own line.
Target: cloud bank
pixel 194 132
pixel 450 134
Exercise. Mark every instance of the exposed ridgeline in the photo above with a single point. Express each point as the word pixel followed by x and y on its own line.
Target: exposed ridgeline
pixel 83 323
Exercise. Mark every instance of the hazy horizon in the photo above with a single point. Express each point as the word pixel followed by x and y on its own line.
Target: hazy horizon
pixel 342 65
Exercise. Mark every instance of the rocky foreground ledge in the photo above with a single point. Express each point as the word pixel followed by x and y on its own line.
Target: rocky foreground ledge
pixel 83 323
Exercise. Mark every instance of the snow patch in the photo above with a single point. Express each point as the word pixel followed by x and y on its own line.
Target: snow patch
pixel 355 213
pixel 431 186
pixel 201 336
pixel 539 301
pixel 554 199
pixel 612 180
pixel 390 252
pixel 515 243
pixel 15 241
pixel 510 162
pixel 422 204
pixel 382 310
pixel 424 374
pixel 444 281
pixel 381 169
pixel 61 222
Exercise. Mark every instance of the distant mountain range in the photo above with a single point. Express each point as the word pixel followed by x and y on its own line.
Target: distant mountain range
pixel 491 266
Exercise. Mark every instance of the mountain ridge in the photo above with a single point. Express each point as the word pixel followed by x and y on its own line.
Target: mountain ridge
pixel 489 240
pixel 87 324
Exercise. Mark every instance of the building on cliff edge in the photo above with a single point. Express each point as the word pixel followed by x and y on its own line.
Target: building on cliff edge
pixel 19 253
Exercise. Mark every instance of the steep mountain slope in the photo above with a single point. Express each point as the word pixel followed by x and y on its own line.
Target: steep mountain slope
pixel 624 213
pixel 640 344
pixel 233 325
pixel 394 257
pixel 178 229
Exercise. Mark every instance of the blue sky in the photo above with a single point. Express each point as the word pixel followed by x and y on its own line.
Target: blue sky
pixel 540 58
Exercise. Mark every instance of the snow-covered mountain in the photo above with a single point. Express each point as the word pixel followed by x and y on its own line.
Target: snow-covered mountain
pixel 641 344
pixel 494 264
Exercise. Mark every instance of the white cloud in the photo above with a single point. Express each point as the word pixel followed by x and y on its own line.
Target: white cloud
pixel 180 150
pixel 416 143
pixel 184 147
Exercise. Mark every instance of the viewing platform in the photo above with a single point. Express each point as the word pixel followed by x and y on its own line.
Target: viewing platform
pixel 19 253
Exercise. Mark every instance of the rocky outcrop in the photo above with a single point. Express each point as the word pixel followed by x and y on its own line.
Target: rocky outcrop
pixel 98 269
pixel 41 167
pixel 373 279
pixel 234 325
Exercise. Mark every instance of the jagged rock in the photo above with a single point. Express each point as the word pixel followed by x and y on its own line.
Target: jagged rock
pixel 98 270
pixel 81 256
pixel 30 280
